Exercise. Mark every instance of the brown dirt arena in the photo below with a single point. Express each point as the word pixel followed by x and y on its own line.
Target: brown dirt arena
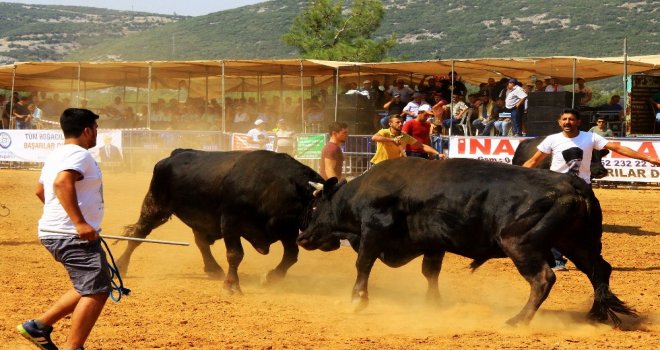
pixel 174 305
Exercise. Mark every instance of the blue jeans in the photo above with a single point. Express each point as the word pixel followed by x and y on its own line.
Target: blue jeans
pixel 516 121
pixel 436 142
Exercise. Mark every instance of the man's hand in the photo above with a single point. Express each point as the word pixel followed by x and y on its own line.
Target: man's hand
pixel 86 232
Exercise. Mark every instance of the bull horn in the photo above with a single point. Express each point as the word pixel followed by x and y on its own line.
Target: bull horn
pixel 316 185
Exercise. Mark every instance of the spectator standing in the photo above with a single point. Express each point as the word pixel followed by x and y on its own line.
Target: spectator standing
pixel 410 110
pixel 515 103
pixel 70 186
pixel 404 91
pixel 332 157
pixel 601 128
pixel 554 86
pixel 612 105
pixel 539 86
pixel 284 138
pixel 4 122
pixel 257 137
pixel 584 92
pixel 22 114
pixel 420 129
pixel 571 152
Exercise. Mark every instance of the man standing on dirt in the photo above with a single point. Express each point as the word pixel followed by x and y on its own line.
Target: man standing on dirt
pixel 70 186
pixel 571 152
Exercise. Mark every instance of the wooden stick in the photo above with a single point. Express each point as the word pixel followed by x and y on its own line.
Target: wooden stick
pixel 122 238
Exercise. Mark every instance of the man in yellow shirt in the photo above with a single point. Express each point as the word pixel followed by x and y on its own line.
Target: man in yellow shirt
pixel 391 142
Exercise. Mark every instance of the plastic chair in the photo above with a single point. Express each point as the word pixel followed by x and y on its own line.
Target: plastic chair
pixel 465 124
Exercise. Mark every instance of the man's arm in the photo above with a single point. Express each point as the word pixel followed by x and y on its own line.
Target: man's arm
pixel 430 150
pixel 536 159
pixel 380 138
pixel 65 190
pixel 40 192
pixel 330 168
pixel 628 152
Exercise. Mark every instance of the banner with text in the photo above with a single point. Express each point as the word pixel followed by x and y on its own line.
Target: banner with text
pixel 619 167
pixel 36 145
pixel 310 146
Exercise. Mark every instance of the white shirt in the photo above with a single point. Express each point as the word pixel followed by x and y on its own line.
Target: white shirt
pixel 514 96
pixel 257 136
pixel 89 190
pixel 572 155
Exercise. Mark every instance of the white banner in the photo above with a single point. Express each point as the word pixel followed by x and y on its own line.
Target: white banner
pixel 619 168
pixel 36 145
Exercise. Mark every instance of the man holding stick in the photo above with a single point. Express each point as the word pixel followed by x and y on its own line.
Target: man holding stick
pixel 70 186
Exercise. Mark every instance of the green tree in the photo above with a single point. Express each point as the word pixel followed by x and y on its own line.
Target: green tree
pixel 324 31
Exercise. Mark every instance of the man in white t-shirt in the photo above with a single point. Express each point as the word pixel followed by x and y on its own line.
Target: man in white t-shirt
pixel 571 152
pixel 257 136
pixel 70 186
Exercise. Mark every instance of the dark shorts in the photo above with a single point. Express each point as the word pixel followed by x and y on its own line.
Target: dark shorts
pixel 84 261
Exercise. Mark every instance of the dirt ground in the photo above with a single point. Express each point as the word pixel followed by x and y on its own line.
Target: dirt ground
pixel 175 305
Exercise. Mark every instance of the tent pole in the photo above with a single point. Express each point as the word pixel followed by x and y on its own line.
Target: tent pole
pixel 78 93
pixel 336 92
pixel 281 111
pixel 11 99
pixel 206 93
pixel 222 94
pixel 625 74
pixel 149 77
pixel 451 100
pixel 302 98
pixel 574 72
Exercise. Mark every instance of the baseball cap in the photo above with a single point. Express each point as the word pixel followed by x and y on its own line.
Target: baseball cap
pixel 512 80
pixel 258 122
pixel 547 77
pixel 417 94
pixel 367 82
pixel 424 108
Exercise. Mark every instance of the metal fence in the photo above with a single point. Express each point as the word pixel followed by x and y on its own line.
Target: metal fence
pixel 143 148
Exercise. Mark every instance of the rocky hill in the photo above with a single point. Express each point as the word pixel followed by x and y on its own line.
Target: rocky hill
pixel 426 29
pixel 49 33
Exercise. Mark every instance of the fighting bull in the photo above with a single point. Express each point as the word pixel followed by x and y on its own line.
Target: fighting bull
pixel 527 148
pixel 407 207
pixel 260 196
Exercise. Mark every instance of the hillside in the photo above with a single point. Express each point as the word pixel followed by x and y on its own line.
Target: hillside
pixel 426 29
pixel 48 33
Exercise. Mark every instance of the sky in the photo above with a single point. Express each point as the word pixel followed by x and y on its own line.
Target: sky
pixel 166 7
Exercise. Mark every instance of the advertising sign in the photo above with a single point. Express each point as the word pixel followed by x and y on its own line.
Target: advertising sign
pixel 36 145
pixel 619 168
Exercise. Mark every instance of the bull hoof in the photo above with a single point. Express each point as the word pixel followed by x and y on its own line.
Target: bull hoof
pixel 271 278
pixel 360 304
pixel 215 274
pixel 233 289
pixel 517 321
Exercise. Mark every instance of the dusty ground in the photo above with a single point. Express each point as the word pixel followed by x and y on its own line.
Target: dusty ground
pixel 174 305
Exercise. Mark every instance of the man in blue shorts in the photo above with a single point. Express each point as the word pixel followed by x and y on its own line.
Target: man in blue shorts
pixel 70 186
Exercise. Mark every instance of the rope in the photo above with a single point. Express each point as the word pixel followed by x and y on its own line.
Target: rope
pixel 117 287
pixel 4 210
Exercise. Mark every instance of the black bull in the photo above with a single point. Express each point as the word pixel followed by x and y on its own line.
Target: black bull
pixel 260 196
pixel 407 207
pixel 527 148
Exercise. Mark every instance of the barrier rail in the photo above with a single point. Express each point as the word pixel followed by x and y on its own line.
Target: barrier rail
pixel 141 150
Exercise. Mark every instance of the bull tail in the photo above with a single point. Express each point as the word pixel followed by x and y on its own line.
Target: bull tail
pixel 607 305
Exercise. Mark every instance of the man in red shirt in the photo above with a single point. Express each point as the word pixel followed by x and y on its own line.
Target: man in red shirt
pixel 420 129
pixel 332 157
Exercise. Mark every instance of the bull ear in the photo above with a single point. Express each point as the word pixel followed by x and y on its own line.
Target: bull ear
pixel 330 186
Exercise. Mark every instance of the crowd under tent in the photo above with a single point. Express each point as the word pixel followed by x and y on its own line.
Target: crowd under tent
pixel 141 82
